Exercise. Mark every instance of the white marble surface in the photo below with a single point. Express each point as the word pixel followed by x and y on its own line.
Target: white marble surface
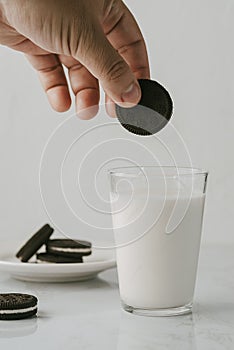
pixel 87 315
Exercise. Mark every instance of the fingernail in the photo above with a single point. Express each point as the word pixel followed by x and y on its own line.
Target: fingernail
pixel 132 94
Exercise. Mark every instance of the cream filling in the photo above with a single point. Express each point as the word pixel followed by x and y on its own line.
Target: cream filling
pixel 71 250
pixel 18 311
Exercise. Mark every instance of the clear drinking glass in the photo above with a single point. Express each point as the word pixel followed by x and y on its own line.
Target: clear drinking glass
pixel 157 217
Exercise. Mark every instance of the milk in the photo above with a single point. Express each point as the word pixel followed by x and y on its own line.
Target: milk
pixel 156 269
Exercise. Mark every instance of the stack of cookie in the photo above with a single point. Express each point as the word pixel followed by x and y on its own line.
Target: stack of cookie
pixel 57 251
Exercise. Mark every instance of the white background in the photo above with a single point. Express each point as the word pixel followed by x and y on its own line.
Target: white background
pixel 191 52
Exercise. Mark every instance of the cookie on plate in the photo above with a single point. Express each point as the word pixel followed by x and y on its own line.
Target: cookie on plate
pixel 57 259
pixel 16 306
pixel 35 243
pixel 69 247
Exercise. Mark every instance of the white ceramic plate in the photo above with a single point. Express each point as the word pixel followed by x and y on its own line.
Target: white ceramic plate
pixel 99 261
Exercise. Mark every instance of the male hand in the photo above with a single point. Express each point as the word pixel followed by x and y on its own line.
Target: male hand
pixel 96 40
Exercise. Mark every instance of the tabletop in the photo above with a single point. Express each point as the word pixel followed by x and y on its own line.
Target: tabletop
pixel 87 315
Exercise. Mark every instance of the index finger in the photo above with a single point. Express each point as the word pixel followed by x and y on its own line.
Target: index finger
pixel 124 34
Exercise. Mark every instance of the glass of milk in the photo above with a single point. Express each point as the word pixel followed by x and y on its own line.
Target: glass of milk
pixel 157 217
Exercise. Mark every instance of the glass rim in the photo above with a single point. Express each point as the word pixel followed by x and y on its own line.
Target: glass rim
pixel 187 171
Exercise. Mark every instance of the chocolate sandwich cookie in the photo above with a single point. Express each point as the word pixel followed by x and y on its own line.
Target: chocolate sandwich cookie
pixel 35 243
pixel 57 259
pixel 151 114
pixel 15 306
pixel 69 247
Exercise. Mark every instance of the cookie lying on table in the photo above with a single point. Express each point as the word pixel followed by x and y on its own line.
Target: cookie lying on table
pixel 58 251
pixel 16 306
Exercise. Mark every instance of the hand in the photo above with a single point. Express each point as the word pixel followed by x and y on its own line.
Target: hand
pixel 96 40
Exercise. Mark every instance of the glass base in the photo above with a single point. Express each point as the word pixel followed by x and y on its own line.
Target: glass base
pixel 172 311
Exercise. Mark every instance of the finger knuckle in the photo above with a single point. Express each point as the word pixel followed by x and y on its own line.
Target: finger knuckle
pixel 117 70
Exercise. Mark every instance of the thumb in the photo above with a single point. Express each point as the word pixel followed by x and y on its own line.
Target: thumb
pixel 114 74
